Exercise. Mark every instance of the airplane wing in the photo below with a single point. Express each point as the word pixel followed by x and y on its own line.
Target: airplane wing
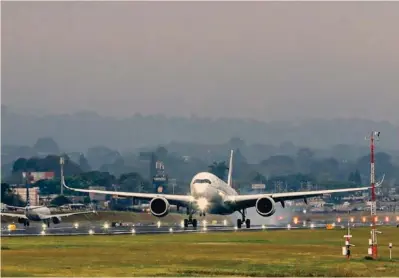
pixel 180 200
pixel 13 215
pixel 247 201
pixel 60 215
pixel 15 207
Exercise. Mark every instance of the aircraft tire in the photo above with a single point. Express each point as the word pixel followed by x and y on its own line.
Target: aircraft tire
pixel 239 223
pixel 194 223
pixel 248 223
pixel 185 223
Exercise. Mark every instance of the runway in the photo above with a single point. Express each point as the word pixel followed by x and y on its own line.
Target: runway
pixel 98 228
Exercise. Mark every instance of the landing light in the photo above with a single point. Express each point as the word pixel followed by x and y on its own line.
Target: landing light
pixel 182 224
pixel 133 231
pixel 288 226
pixel 304 223
pixel 205 229
pixel 225 222
pixel 204 223
pixel 44 226
pixel 304 211
pixel 91 232
pixel 106 225
pixel 42 233
pixel 235 228
pixel 171 230
pixel 202 203
pixel 352 219
pixel 312 226
pixel 386 218
pixel 76 225
pixel 263 227
pixel 159 224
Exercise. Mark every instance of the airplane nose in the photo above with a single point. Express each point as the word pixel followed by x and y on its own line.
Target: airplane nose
pixel 200 188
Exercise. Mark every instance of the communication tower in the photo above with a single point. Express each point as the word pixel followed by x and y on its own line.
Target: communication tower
pixel 373 243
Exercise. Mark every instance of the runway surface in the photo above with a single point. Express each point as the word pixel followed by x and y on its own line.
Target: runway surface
pixel 98 228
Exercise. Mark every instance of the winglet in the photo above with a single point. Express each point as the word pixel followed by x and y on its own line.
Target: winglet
pixel 63 183
pixel 229 177
pixel 380 182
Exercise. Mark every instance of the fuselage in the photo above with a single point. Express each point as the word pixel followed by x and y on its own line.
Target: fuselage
pixel 35 213
pixel 210 193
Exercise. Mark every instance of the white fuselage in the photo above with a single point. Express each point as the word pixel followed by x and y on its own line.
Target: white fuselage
pixel 36 213
pixel 210 193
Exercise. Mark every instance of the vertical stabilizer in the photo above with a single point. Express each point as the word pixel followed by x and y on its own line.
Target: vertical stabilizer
pixel 229 177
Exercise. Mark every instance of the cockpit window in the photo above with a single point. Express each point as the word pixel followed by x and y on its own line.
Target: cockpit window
pixel 202 181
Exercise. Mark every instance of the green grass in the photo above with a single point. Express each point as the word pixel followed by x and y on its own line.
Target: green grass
pixel 266 253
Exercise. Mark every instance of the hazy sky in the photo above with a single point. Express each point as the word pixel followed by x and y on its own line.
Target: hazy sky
pixel 265 60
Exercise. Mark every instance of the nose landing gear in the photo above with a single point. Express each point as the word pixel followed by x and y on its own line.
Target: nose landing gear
pixel 190 220
pixel 243 220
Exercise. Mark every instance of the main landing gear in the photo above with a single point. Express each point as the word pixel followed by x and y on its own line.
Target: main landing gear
pixel 243 220
pixel 190 220
pixel 26 223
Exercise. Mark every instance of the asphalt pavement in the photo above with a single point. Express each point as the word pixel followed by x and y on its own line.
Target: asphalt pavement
pixel 95 228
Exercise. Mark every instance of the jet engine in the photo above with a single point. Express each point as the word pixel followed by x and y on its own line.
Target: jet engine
pixel 265 206
pixel 56 220
pixel 159 207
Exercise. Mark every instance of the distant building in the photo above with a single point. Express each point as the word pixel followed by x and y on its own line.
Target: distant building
pixel 160 180
pixel 33 194
pixel 36 176
pixel 97 197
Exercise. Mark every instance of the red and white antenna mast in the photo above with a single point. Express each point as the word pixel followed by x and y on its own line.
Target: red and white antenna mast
pixel 374 136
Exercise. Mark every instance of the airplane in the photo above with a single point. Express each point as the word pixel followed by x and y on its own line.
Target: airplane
pixel 38 213
pixel 209 194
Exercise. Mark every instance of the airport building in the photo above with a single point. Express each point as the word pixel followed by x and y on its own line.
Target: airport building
pixel 160 180
pixel 34 194
pixel 36 176
pixel 97 197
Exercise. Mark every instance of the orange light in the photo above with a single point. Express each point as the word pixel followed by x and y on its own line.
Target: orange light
pixel 295 220
pixel 280 218
pixel 386 218
pixel 376 218
pixel 339 219
pixel 397 218
pixel 364 219
pixel 352 219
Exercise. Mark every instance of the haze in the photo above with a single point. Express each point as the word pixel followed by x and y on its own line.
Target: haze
pixel 263 60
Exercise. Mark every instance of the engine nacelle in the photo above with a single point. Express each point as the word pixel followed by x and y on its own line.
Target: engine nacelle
pixel 265 206
pixel 56 220
pixel 21 220
pixel 159 207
